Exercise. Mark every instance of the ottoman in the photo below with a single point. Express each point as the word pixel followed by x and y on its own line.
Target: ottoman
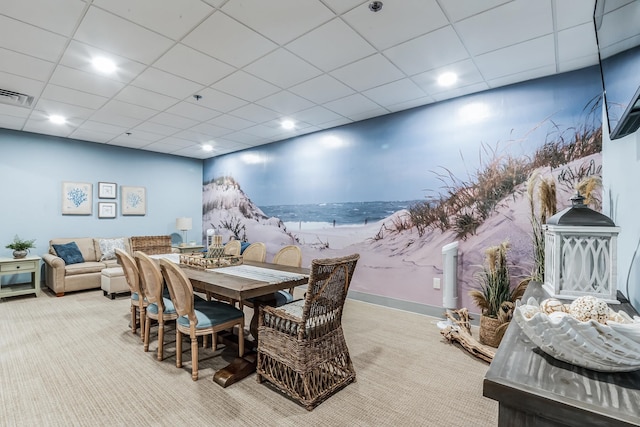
pixel 112 281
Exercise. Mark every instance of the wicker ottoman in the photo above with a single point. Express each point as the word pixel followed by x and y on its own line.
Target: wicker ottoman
pixel 112 281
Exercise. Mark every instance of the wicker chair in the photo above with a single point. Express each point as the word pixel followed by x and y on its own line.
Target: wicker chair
pixel 232 247
pixel 255 252
pixel 138 300
pixel 301 346
pixel 160 308
pixel 198 319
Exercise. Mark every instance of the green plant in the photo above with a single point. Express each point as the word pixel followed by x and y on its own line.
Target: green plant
pixel 495 285
pixel 19 244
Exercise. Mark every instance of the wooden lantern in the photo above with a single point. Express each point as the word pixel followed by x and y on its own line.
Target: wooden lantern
pixel 580 253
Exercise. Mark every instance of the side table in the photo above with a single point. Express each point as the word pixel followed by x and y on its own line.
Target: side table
pixel 12 266
pixel 189 248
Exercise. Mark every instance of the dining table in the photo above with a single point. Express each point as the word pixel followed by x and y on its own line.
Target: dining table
pixel 237 283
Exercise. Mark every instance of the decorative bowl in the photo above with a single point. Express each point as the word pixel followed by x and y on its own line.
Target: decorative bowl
pixel 611 347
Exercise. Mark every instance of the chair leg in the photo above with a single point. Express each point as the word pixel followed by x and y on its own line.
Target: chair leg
pixel 134 327
pixel 241 338
pixel 160 338
pixel 143 317
pixel 194 358
pixel 147 329
pixel 178 349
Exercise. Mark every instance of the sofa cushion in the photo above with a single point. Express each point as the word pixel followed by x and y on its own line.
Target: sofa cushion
pixel 85 244
pixel 84 268
pixel 108 248
pixel 69 252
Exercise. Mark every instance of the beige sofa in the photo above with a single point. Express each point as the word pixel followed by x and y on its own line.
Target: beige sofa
pixel 62 278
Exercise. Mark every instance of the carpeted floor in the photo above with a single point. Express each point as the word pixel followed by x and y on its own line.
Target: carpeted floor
pixel 73 361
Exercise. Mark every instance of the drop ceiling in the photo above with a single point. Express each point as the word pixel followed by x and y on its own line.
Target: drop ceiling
pixel 320 63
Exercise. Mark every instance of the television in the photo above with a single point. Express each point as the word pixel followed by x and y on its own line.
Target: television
pixel 617 25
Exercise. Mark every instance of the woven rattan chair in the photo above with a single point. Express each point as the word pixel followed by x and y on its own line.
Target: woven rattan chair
pixel 160 308
pixel 232 247
pixel 255 252
pixel 138 300
pixel 301 346
pixel 202 319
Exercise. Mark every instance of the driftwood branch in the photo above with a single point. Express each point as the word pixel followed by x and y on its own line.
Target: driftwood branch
pixel 460 332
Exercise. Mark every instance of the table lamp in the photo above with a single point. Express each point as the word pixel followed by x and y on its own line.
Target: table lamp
pixel 183 224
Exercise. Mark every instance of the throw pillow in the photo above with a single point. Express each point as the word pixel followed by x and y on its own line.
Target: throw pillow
pixel 108 248
pixel 69 252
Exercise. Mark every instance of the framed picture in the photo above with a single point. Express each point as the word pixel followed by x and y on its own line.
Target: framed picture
pixel 107 190
pixel 106 210
pixel 77 198
pixel 133 200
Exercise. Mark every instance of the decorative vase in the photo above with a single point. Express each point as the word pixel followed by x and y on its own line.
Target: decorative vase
pixel 488 331
pixel 20 254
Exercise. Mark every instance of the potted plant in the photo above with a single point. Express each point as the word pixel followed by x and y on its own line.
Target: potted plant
pixel 20 247
pixel 495 298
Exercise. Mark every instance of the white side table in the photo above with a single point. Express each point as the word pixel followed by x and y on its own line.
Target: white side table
pixel 189 248
pixel 12 266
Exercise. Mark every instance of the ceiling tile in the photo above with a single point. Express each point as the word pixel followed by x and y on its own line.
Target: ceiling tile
pixel 231 122
pixel 432 50
pixel 393 93
pixel 173 120
pixel 24 65
pixel 129 110
pixel 570 13
pixel 285 102
pixel 518 58
pixel 322 89
pixel 228 40
pixel 186 62
pixel 145 98
pixel 352 105
pixel 280 21
pixel 58 16
pixel 255 113
pixel 316 115
pixel 217 100
pixel 16 83
pixel 85 82
pixel 369 72
pixel 330 46
pixel 120 37
pixel 576 42
pixel 211 130
pixel 521 76
pixel 162 82
pixel 521 19
pixel 461 9
pixel 102 127
pixel 157 128
pixel 128 141
pixel 68 111
pixel 72 96
pixel 282 68
pixel 245 86
pixel 108 116
pixel 90 135
pixel 466 71
pixel 397 22
pixel 369 114
pixel 171 18
pixel 405 105
pixel 32 41
pixel 192 111
pixel 459 91
pixel 341 6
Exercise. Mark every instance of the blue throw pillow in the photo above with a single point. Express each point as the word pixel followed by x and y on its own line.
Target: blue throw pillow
pixel 69 252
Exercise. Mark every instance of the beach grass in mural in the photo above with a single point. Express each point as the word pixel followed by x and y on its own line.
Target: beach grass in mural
pixel 77 198
pixel 133 200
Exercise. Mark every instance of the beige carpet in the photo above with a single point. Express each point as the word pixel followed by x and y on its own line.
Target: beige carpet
pixel 73 361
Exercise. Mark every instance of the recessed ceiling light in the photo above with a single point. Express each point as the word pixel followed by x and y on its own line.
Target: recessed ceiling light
pixel 447 79
pixel 104 65
pixel 288 124
pixel 59 120
pixel 207 147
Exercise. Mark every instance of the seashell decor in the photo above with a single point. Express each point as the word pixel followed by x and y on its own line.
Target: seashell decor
pixel 604 340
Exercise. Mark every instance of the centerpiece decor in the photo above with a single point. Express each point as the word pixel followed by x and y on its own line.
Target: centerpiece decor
pixel 20 247
pixel 213 258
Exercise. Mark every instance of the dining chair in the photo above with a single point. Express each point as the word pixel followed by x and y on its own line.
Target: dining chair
pixel 160 308
pixel 256 251
pixel 290 255
pixel 232 247
pixel 138 300
pixel 301 346
pixel 202 319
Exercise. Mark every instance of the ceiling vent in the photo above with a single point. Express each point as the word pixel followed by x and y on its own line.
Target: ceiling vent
pixel 15 98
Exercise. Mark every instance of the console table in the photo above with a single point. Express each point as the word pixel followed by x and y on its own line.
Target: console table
pixel 534 389
pixel 13 266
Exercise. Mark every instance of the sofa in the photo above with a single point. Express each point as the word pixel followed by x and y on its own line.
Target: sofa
pixel 74 264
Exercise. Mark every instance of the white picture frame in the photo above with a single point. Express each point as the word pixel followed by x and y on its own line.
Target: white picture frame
pixel 107 190
pixel 77 198
pixel 133 200
pixel 106 209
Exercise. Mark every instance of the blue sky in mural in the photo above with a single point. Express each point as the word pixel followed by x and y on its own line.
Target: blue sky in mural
pixel 385 160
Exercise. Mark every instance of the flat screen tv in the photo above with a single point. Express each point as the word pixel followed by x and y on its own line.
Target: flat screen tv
pixel 617 24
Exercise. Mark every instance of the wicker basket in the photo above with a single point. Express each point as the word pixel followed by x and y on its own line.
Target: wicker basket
pixel 488 331
pixel 151 245
pixel 200 261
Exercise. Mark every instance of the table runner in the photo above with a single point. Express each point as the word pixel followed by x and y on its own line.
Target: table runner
pixel 258 273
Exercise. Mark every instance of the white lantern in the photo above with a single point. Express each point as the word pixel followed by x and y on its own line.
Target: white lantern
pixel 580 253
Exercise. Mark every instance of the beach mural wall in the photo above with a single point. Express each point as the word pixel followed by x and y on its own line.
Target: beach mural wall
pixel 397 188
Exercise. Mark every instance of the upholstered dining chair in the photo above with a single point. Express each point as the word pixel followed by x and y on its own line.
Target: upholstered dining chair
pixel 256 251
pixel 301 346
pixel 203 319
pixel 138 300
pixel 160 308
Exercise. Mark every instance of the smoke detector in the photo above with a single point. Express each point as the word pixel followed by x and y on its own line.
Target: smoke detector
pixel 375 6
pixel 15 98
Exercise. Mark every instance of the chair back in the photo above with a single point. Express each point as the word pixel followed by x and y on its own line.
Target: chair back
pixel 290 255
pixel 131 273
pixel 255 252
pixel 232 247
pixel 329 282
pixel 180 288
pixel 150 279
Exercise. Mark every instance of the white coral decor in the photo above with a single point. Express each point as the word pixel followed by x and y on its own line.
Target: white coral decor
pixel 611 344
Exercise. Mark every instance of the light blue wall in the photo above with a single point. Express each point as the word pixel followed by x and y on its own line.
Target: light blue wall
pixel 620 176
pixel 33 167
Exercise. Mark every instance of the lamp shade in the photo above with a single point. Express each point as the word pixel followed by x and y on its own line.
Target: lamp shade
pixel 183 223
pixel 211 232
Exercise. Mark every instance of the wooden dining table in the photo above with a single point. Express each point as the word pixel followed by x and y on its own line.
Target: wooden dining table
pixel 248 280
